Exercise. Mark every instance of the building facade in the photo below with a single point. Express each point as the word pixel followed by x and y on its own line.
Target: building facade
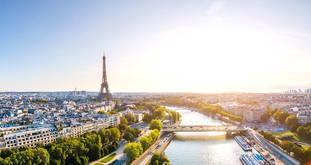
pixel 304 117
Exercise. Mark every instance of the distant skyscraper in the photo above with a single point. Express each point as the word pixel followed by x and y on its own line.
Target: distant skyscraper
pixel 104 93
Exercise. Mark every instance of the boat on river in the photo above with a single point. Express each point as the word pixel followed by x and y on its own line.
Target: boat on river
pixel 243 143
pixel 252 159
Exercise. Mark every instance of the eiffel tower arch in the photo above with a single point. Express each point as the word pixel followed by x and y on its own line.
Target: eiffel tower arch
pixel 104 93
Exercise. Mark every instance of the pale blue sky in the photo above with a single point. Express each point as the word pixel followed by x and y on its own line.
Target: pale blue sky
pixel 155 45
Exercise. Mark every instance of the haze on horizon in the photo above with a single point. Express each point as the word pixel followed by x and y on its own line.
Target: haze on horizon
pixel 203 46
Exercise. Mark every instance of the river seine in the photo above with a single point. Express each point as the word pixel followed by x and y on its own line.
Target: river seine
pixel 201 148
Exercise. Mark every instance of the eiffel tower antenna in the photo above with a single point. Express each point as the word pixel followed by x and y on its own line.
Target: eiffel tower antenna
pixel 104 93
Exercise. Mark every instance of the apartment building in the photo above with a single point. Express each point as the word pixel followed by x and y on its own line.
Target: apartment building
pixel 113 120
pixel 31 134
pixel 30 137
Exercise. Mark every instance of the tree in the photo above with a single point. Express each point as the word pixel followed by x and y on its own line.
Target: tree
pixel 159 159
pixel 156 124
pixel 94 144
pixel 277 115
pixel 41 156
pixel 265 117
pixel 283 117
pixel 176 116
pixel 133 151
pixel 23 158
pixel 130 117
pixel 147 117
pixel 145 142
pixel 149 139
pixel 57 155
pixel 159 114
pixel 115 134
pixel 131 134
pixel 5 161
pixel 122 128
pixel 280 116
pixel 292 122
pixel 268 113
pixel 8 152
pixel 66 151
pixel 123 120
pixel 154 135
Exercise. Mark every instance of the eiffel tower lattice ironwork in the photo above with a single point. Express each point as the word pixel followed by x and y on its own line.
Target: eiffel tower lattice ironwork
pixel 104 93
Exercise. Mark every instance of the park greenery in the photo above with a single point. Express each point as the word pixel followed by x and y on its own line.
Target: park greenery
pixel 156 124
pixel 302 153
pixel 65 151
pixel 290 121
pixel 134 150
pixel 159 159
pixel 304 132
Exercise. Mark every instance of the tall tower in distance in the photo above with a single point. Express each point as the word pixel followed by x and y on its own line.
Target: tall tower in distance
pixel 104 93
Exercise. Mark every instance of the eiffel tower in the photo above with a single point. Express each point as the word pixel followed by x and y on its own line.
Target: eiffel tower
pixel 104 93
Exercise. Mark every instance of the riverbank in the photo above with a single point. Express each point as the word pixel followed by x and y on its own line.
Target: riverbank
pixel 159 146
pixel 273 149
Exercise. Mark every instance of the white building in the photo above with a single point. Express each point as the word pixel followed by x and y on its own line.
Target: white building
pixel 304 117
pixel 113 120
pixel 30 137
pixel 138 114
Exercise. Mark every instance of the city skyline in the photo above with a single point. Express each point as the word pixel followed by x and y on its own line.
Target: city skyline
pixel 156 46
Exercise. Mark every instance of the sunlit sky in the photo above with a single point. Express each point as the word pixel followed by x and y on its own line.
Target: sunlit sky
pixel 201 46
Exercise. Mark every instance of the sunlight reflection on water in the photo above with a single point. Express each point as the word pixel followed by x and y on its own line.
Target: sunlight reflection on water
pixel 196 148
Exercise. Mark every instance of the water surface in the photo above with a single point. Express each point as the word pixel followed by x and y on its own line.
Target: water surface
pixel 198 148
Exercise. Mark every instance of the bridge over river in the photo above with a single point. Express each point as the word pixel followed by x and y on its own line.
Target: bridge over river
pixel 202 128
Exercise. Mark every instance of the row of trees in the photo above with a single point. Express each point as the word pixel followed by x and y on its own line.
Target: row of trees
pixel 148 140
pixel 203 107
pixel 134 150
pixel 65 151
pixel 25 156
pixel 231 116
pixel 301 153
